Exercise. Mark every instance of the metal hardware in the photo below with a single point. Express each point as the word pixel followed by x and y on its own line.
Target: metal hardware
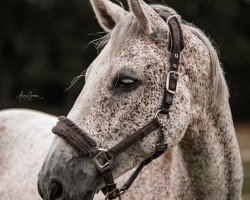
pixel 102 157
pixel 176 55
pixel 161 146
pixel 113 194
pixel 157 113
pixel 156 117
pixel 168 79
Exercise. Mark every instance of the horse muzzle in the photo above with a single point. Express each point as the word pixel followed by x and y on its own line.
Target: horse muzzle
pixel 61 188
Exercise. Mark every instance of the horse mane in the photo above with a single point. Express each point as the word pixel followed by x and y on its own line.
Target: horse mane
pixel 128 27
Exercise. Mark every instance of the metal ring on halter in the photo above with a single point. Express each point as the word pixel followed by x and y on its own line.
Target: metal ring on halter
pixel 156 117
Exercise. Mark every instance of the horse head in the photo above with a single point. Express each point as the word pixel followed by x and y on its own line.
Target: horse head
pixel 124 90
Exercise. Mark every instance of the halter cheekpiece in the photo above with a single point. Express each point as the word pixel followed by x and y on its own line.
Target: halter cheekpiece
pixel 103 158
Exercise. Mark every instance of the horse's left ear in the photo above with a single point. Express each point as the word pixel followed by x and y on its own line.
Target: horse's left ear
pixel 149 21
pixel 107 13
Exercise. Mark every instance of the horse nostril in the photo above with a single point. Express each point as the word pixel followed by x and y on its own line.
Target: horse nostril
pixel 55 190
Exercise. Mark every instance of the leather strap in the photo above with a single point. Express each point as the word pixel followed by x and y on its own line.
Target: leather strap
pixel 79 141
pixel 135 137
pixel 173 75
pixel 160 148
pixel 66 129
pixel 110 189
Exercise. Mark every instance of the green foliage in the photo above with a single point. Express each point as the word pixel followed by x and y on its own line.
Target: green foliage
pixel 42 47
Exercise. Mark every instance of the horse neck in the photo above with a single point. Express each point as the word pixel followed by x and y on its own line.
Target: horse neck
pixel 211 155
pixel 209 148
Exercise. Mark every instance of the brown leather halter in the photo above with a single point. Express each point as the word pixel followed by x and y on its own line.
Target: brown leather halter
pixel 102 158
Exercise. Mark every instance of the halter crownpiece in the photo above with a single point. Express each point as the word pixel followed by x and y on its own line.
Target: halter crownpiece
pixel 103 158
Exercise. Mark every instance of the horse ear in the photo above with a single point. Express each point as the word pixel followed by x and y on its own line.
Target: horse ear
pixel 107 13
pixel 140 10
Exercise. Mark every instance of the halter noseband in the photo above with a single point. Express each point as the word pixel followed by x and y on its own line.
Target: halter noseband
pixel 102 158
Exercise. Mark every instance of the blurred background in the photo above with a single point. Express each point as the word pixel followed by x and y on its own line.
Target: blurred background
pixel 44 44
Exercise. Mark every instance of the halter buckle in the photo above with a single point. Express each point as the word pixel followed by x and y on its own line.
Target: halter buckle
pixel 168 82
pixel 102 160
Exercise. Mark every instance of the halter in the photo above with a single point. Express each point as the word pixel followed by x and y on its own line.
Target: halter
pixel 103 158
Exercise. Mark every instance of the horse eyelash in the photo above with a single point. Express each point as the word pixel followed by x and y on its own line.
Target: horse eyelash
pixel 116 80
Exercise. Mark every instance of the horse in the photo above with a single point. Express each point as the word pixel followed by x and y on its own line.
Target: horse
pixel 124 90
pixel 123 94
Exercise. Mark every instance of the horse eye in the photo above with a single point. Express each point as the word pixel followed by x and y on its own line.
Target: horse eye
pixel 126 82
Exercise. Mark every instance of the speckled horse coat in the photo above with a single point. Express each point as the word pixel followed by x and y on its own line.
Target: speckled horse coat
pixel 203 160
